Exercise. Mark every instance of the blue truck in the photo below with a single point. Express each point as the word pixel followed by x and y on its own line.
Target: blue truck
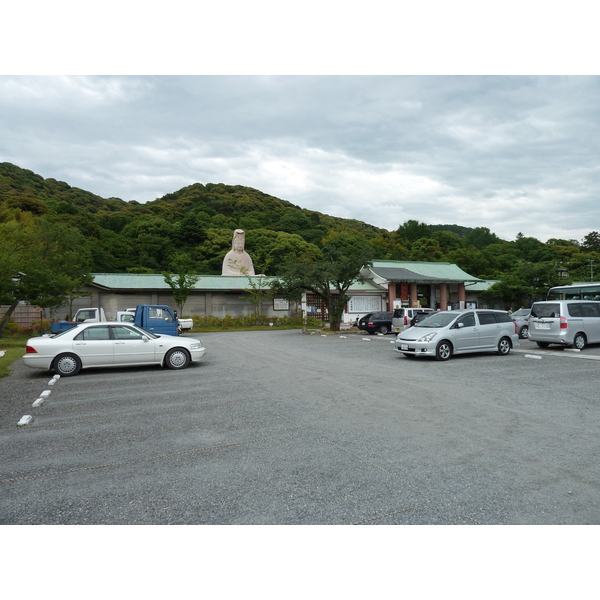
pixel 156 318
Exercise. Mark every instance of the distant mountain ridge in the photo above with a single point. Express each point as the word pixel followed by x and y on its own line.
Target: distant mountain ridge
pixel 22 188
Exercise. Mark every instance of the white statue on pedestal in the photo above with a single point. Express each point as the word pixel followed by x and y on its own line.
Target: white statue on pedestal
pixel 237 261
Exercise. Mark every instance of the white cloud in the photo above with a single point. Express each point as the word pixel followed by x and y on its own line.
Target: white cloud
pixel 514 154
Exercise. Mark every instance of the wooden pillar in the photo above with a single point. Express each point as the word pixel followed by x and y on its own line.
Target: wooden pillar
pixel 413 294
pixel 443 297
pixel 391 295
pixel 462 295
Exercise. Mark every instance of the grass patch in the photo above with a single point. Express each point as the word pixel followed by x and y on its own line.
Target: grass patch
pixel 14 349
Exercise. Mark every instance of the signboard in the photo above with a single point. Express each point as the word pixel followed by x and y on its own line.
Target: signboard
pixel 364 304
pixel 281 304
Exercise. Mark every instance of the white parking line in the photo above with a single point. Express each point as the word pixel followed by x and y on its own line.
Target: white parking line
pixel 558 354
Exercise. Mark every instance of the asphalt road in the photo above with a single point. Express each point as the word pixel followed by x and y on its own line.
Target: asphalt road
pixel 278 427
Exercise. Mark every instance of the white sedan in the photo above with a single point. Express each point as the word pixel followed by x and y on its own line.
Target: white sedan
pixel 108 345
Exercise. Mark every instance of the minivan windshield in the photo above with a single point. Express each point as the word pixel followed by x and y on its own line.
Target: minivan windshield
pixel 437 319
pixel 548 310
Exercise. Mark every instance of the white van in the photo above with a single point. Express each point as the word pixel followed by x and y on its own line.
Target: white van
pixel 403 316
pixel 565 322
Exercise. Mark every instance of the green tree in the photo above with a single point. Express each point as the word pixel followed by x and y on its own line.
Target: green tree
pixel 447 240
pixel 480 237
pixel 269 250
pixel 512 289
pixel 41 262
pixel 329 276
pixel 591 242
pixel 413 230
pixel 181 280
pixel 212 251
pixel 425 249
pixel 259 289
pixel 152 241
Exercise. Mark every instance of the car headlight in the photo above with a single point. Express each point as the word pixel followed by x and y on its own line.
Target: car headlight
pixel 195 346
pixel 428 337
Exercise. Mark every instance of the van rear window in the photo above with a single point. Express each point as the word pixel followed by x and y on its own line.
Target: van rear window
pixel 548 310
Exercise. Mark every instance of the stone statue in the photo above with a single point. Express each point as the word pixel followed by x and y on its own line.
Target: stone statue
pixel 237 261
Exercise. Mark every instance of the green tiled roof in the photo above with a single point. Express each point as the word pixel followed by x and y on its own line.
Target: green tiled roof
pixel 396 270
pixel 481 286
pixel 133 281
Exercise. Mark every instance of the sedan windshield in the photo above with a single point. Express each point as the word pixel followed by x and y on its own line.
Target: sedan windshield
pixel 522 312
pixel 438 319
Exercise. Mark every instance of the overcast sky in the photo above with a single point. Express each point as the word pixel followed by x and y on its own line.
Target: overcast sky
pixel 512 152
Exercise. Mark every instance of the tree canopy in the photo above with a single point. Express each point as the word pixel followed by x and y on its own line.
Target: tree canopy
pixel 41 263
pixel 329 275
pixel 118 236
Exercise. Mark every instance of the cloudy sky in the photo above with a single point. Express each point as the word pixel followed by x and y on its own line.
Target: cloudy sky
pixel 512 152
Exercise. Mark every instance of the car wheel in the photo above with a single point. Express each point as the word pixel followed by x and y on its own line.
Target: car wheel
pixel 408 355
pixel 66 365
pixel 542 344
pixel 504 346
pixel 384 329
pixel 524 333
pixel 177 358
pixel 579 341
pixel 443 351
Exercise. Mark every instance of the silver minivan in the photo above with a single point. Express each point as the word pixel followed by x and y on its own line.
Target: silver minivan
pixel 566 322
pixel 446 333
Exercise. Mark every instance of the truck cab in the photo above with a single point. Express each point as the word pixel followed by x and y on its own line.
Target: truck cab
pixel 158 319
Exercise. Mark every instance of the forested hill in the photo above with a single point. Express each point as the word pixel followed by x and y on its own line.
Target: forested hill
pixel 198 220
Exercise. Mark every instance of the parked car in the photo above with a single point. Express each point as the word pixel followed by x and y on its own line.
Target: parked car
pixel 521 318
pixel 565 322
pixel 446 333
pixel 109 345
pixel 418 318
pixel 402 317
pixel 377 322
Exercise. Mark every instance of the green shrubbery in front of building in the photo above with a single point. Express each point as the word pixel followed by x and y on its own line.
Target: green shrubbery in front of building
pixel 252 320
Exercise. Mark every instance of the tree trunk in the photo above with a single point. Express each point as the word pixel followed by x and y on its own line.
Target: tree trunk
pixel 6 318
pixel 335 306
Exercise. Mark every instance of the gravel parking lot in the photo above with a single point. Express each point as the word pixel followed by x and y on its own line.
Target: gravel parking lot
pixel 278 427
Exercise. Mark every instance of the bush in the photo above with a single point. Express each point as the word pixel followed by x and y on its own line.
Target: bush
pixel 229 322
pixel 13 329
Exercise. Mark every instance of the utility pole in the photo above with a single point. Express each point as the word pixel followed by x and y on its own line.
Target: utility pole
pixel 591 270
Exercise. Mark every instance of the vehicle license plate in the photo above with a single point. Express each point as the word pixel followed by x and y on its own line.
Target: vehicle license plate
pixel 542 325
pixel 403 346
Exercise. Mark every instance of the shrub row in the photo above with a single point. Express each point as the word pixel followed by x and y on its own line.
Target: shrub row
pixel 12 329
pixel 229 322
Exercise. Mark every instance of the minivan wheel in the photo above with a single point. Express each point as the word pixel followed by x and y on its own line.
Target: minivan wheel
pixel 579 341
pixel 542 344
pixel 524 333
pixel 504 346
pixel 384 330
pixel 443 351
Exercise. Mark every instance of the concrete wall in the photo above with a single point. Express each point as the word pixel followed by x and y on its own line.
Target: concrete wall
pixel 217 304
